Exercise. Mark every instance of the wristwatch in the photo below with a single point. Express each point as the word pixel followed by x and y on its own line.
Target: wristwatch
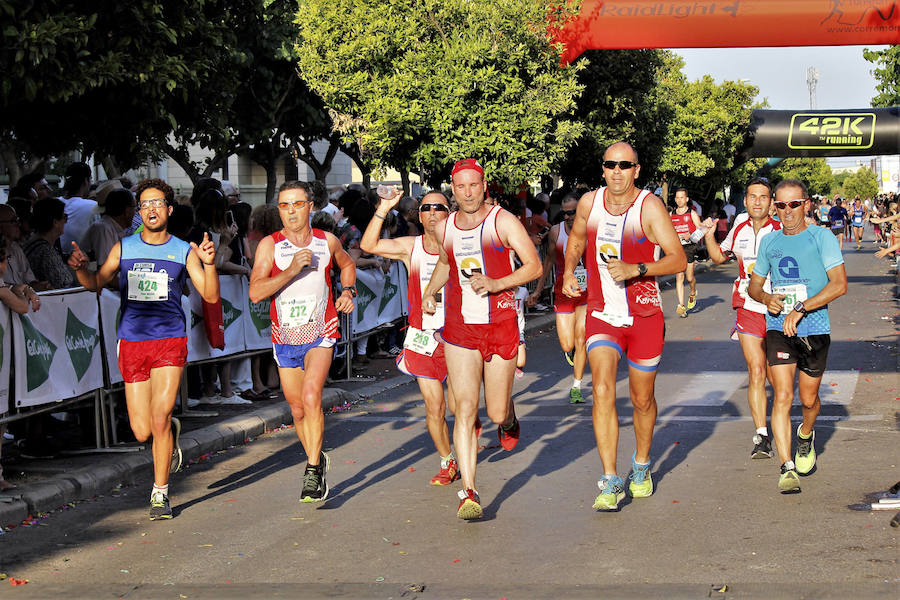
pixel 351 289
pixel 800 308
pixel 642 269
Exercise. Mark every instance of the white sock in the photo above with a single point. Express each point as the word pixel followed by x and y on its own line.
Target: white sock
pixel 763 431
pixel 576 383
pixel 446 459
pixel 160 488
pixel 789 465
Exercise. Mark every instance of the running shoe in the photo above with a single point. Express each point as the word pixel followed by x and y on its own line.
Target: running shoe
pixel 469 505
pixel 159 507
pixel 762 447
pixel 177 455
pixel 692 300
pixel 315 489
pixel 575 396
pixel 682 311
pixel 233 399
pixel 640 483
pixel 509 437
pixel 805 456
pixel 612 491
pixel 570 357
pixel 477 427
pixel 448 474
pixel 789 482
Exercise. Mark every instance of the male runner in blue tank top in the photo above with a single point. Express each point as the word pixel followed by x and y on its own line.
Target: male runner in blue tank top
pixel 152 267
pixel 806 271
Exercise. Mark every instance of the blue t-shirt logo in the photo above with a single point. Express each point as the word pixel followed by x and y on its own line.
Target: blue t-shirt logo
pixel 789 268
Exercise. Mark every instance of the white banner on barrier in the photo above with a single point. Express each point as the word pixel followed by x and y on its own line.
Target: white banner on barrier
pixel 234 300
pixel 60 349
pixel 257 324
pixel 379 298
pixel 5 355
pixel 110 303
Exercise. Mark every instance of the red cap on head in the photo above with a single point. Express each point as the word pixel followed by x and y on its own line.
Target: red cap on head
pixel 467 163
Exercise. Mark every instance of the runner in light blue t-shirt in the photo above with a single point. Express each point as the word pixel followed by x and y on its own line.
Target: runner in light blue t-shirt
pixel 806 271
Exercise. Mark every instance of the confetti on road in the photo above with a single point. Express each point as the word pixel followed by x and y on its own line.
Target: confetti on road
pixel 456 560
pixel 14 581
pixel 379 579
pixel 412 470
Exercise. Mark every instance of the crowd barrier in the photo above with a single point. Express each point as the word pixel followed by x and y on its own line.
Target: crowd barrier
pixel 66 351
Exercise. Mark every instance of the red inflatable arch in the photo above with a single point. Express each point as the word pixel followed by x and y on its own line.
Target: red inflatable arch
pixel 605 24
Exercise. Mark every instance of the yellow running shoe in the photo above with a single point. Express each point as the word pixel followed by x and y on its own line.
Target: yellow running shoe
pixel 805 456
pixel 692 300
pixel 682 311
pixel 640 483
pixel 789 482
pixel 469 505
pixel 612 491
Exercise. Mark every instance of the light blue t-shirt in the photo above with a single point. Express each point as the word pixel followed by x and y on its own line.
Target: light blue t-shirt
pixel 800 261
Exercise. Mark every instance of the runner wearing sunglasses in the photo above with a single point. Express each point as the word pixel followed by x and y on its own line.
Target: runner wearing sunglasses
pixel 570 312
pixel 806 271
pixel 620 230
pixel 423 355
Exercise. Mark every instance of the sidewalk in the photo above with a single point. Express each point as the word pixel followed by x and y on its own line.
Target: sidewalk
pixel 50 484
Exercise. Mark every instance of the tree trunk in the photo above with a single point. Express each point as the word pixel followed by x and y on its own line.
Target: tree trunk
pixel 404 181
pixel 110 167
pixel 12 165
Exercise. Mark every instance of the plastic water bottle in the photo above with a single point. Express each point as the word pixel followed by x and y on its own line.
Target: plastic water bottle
pixel 384 191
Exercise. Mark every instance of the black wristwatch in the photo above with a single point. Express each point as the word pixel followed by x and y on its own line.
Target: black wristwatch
pixel 800 308
pixel 351 289
pixel 642 269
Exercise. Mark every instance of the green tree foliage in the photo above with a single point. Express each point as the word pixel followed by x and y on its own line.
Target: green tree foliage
pixel 863 183
pixel 887 72
pixel 709 125
pixel 103 77
pixel 624 99
pixel 814 172
pixel 419 85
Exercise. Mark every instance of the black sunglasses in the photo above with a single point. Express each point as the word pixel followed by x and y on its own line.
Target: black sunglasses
pixel 622 164
pixel 435 206
pixel 792 204
pixel 569 213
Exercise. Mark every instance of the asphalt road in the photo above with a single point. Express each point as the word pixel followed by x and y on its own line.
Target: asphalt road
pixel 715 527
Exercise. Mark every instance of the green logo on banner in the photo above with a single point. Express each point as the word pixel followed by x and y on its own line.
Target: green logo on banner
pixel 80 342
pixel 195 318
pixel 230 313
pixel 364 297
pixel 39 353
pixel 390 290
pixel 259 314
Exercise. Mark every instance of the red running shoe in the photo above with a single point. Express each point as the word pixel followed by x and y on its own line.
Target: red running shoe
pixel 448 473
pixel 469 505
pixel 510 437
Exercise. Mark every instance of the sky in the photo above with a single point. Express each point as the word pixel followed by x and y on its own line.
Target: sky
pixel 844 82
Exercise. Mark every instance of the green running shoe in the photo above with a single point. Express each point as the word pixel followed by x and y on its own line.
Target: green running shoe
pixel 640 484
pixel 612 491
pixel 789 482
pixel 575 396
pixel 805 457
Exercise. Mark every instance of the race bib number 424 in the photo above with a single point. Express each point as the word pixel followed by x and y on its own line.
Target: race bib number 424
pixel 147 286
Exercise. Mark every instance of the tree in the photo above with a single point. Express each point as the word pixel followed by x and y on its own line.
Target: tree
pixel 623 101
pixel 887 73
pixel 709 125
pixel 103 77
pixel 814 172
pixel 862 183
pixel 421 85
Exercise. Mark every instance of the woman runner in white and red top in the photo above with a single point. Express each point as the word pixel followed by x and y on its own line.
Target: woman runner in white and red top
pixel 423 354
pixel 750 316
pixel 293 268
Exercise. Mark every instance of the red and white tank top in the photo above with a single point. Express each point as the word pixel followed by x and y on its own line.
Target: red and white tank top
pixel 684 225
pixel 421 266
pixel 560 264
pixel 303 310
pixel 470 251
pixel 622 237
pixel 744 243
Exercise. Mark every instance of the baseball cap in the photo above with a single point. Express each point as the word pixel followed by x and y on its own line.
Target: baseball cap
pixel 467 163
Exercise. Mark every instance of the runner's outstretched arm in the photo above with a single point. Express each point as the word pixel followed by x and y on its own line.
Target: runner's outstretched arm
pixel 95 280
pixel 201 266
